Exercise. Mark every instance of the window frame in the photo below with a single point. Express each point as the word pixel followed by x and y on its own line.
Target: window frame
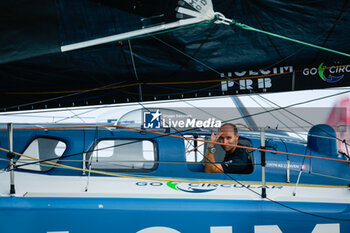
pixel 155 161
pixel 43 137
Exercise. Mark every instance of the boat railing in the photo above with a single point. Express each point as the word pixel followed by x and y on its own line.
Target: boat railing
pixel 262 149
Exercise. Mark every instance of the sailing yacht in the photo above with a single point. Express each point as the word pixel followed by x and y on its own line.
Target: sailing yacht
pixel 144 172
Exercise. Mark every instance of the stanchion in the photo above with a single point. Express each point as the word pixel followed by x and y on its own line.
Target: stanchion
pixel 263 163
pixel 11 155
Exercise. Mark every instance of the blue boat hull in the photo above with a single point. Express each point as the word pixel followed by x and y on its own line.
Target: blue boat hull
pixel 104 215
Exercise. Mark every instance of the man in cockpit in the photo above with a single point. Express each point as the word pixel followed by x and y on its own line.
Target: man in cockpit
pixel 236 159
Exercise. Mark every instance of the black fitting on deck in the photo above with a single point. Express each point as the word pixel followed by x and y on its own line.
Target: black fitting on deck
pixel 12 189
pixel 263 164
pixel 11 155
pixel 263 156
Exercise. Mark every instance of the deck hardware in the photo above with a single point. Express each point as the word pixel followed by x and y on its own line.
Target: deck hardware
pixel 11 155
pixel 288 171
pixel 263 163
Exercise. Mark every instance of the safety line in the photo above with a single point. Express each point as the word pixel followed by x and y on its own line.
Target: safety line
pixel 247 27
pixel 173 179
pixel 179 179
pixel 191 180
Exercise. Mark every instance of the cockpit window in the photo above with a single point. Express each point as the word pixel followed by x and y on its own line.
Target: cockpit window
pixel 42 149
pixel 194 149
pixel 118 154
pixel 195 152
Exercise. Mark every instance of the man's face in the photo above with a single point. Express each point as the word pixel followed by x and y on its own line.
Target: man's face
pixel 228 137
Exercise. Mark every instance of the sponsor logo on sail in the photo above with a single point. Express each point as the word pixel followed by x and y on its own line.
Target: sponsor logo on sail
pixel 331 78
pixel 329 74
pixel 260 79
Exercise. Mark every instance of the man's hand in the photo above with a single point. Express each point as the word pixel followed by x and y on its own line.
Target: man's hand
pixel 209 158
pixel 214 138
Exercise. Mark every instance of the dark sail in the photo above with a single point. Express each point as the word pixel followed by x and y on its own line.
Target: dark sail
pixel 28 29
pixel 206 60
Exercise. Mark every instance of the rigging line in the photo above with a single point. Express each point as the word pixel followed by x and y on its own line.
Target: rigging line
pixel 59 110
pixel 249 28
pixel 277 118
pixel 84 153
pixel 195 148
pixel 262 26
pixel 186 55
pixel 202 110
pixel 16 114
pixel 125 58
pixel 136 161
pixel 300 126
pixel 328 176
pixel 299 175
pixel 313 173
pixel 301 118
pixel 304 212
pixel 285 145
pixel 298 50
pixel 346 146
pixel 64 96
pixel 95 137
pixel 75 115
pixel 331 30
pixel 195 52
pixel 78 115
pixel 198 61
pixel 307 134
pixel 135 72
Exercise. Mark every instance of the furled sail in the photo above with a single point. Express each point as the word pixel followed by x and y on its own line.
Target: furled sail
pixel 194 57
